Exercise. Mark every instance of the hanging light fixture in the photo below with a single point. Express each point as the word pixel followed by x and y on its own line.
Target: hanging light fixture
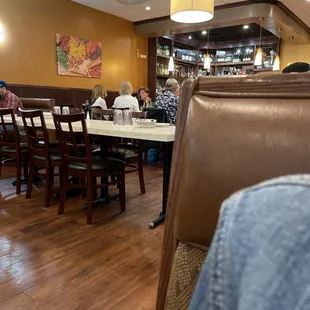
pixel 276 63
pixel 259 54
pixel 207 61
pixel 191 11
pixel 171 65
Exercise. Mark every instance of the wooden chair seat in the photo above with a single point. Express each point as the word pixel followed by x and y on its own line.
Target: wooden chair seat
pixel 109 165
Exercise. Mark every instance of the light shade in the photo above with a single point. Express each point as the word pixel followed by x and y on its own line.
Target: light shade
pixel 171 65
pixel 191 11
pixel 207 62
pixel 276 64
pixel 259 57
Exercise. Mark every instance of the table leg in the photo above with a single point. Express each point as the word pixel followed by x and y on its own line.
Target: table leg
pixel 168 147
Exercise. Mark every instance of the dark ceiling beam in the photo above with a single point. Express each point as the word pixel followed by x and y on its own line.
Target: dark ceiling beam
pixel 274 18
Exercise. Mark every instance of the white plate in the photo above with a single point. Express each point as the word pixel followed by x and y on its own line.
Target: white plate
pixel 162 125
pixel 145 125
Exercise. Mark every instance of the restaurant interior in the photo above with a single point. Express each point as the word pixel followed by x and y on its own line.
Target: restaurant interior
pixel 125 128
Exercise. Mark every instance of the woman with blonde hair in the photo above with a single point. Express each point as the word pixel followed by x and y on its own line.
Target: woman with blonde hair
pixel 97 98
pixel 125 100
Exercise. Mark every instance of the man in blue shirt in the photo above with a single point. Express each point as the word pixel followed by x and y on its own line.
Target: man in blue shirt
pixel 169 100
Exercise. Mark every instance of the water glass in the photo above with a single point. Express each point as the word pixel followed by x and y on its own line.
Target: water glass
pixel 57 110
pixel 127 118
pixel 65 110
pixel 118 118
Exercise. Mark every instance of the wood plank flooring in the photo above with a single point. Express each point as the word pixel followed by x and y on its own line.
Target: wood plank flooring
pixel 58 262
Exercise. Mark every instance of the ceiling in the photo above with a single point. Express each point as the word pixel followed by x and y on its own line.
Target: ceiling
pixel 233 33
pixel 134 10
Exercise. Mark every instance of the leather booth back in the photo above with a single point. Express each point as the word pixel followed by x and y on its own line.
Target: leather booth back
pixel 46 105
pixel 232 132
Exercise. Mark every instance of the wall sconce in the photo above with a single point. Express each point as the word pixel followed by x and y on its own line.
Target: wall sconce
pixel 1 33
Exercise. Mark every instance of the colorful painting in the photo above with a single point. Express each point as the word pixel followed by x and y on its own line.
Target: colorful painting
pixel 76 57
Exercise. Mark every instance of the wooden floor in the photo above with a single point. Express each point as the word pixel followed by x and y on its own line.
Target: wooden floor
pixel 58 262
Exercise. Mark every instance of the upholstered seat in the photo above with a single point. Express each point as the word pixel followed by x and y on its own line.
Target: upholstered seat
pixel 122 153
pixel 97 164
pixel 7 149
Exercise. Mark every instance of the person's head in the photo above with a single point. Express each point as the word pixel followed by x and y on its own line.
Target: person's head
pixel 98 91
pixel 126 88
pixel 143 92
pixel 173 86
pixel 3 87
pixel 297 67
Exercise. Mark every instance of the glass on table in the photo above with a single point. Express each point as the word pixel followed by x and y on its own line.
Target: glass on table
pixel 57 110
pixel 65 110
pixel 127 118
pixel 118 118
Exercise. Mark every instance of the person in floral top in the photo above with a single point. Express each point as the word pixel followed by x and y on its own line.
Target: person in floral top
pixel 8 99
pixel 169 100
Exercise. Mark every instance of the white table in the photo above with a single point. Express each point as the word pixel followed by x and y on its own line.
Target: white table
pixel 106 128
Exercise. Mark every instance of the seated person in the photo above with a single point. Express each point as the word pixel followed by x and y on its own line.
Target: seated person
pixel 297 67
pixel 97 98
pixel 169 100
pixel 125 100
pixel 8 99
pixel 259 255
pixel 145 100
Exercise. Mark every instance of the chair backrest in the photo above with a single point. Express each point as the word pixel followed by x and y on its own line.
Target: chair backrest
pixel 142 115
pixel 232 132
pixel 100 114
pixel 44 104
pixel 9 135
pixel 72 132
pixel 156 113
pixel 36 132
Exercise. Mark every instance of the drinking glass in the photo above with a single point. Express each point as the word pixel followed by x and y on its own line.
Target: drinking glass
pixel 57 110
pixel 65 110
pixel 118 118
pixel 127 118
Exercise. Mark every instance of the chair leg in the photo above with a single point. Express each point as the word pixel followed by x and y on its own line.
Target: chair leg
pixel 26 166
pixel 89 201
pixel 48 185
pixel 52 175
pixel 63 173
pixel 140 172
pixel 30 181
pixel 18 176
pixel 122 191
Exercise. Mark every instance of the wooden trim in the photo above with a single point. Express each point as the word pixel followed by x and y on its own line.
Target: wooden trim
pixel 277 3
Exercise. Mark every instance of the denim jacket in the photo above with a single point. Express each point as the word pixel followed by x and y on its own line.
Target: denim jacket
pixel 260 255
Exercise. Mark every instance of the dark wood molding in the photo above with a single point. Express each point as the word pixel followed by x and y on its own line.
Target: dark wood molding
pixel 277 3
pixel 73 97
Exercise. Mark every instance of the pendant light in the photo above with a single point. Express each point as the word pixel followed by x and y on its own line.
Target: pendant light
pixel 259 54
pixel 276 63
pixel 207 61
pixel 191 11
pixel 171 65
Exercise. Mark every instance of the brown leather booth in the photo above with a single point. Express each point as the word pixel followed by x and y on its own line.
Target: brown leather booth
pixel 46 105
pixel 232 132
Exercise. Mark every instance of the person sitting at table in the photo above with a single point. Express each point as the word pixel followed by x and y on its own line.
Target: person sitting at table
pixel 125 100
pixel 169 100
pixel 8 99
pixel 144 95
pixel 97 98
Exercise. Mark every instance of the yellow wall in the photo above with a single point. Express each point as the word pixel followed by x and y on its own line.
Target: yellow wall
pixel 294 53
pixel 28 54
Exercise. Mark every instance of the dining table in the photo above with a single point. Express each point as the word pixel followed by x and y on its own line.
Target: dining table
pixel 164 133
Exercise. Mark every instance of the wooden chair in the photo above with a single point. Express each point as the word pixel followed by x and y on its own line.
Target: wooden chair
pixel 79 163
pixel 129 151
pixel 41 154
pixel 12 151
